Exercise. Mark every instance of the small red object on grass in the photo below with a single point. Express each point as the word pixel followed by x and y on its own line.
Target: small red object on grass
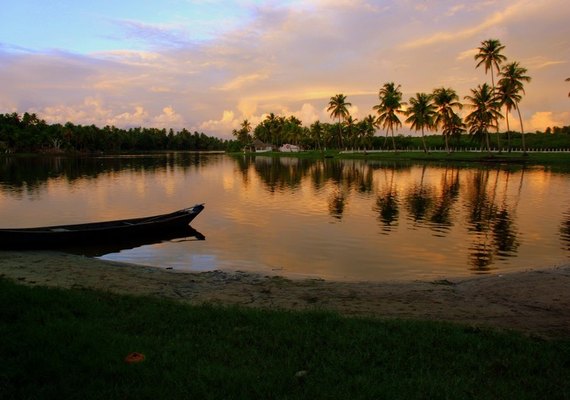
pixel 134 358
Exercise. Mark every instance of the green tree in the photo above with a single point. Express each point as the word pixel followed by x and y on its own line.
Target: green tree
pixel 485 113
pixel 368 128
pixel 490 56
pixel 316 133
pixel 338 107
pixel 446 101
pixel 421 114
pixel 351 131
pixel 511 84
pixel 390 105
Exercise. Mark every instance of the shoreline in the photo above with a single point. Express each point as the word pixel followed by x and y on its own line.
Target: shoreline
pixel 535 302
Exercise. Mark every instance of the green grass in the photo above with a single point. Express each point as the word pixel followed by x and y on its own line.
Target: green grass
pixel 71 344
pixel 515 158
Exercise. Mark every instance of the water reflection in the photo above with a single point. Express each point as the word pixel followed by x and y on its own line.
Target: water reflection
pixel 387 204
pixel 30 174
pixel 340 218
pixel 565 230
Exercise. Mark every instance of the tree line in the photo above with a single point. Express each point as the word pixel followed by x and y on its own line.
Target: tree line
pixel 28 133
pixel 438 111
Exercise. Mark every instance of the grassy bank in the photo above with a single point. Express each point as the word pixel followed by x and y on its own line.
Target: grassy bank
pixel 558 159
pixel 72 344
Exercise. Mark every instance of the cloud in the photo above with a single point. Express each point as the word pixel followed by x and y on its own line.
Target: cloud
pixel 288 58
pixel 544 119
pixel 222 126
pixel 240 81
pixel 496 19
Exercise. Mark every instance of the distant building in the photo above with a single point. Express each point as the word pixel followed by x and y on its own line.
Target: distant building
pixel 258 147
pixel 289 148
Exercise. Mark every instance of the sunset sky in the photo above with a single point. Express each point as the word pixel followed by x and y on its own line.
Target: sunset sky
pixel 206 65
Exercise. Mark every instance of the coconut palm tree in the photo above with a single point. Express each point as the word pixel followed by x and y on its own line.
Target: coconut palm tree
pixel 316 132
pixel 445 101
pixel 390 105
pixel 369 126
pixel 490 56
pixel 421 114
pixel 351 131
pixel 511 85
pixel 485 112
pixel 455 127
pixel 338 107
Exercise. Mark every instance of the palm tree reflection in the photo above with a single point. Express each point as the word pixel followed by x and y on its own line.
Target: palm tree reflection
pixel 441 216
pixel 565 230
pixel 387 205
pixel 420 199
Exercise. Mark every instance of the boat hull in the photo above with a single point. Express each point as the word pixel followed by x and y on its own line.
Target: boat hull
pixel 61 236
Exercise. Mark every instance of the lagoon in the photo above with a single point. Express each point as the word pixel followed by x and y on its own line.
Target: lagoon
pixel 332 219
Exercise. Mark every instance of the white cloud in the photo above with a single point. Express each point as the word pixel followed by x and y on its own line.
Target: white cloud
pixel 544 119
pixel 168 119
pixel 289 59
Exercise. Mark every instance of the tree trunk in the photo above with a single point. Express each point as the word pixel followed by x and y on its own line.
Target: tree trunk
pixel 522 129
pixel 424 140
pixel 508 130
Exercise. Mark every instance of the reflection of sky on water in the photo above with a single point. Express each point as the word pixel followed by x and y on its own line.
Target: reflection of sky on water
pixel 338 220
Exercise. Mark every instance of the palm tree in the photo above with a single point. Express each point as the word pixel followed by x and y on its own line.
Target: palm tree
pixel 390 105
pixel 317 133
pixel 568 80
pixel 485 112
pixel 490 56
pixel 445 101
pixel 369 126
pixel 455 127
pixel 421 114
pixel 352 132
pixel 511 85
pixel 338 107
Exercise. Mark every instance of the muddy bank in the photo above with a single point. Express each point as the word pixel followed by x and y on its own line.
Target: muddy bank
pixel 536 302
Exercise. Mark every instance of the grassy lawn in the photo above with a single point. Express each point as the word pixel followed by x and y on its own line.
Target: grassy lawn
pixel 72 344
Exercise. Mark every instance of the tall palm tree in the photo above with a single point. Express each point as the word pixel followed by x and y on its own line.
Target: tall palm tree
pixel 338 107
pixel 369 126
pixel 317 133
pixel 490 56
pixel 485 112
pixel 351 131
pixel 390 105
pixel 421 114
pixel 446 101
pixel 511 85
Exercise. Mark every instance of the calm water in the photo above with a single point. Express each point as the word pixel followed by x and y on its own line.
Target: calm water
pixel 349 220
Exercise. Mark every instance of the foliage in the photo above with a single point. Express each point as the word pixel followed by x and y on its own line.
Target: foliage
pixel 72 344
pixel 28 133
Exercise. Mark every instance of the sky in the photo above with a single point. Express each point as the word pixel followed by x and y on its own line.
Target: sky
pixel 207 65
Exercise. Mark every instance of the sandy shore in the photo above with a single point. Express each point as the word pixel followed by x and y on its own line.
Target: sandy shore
pixel 535 302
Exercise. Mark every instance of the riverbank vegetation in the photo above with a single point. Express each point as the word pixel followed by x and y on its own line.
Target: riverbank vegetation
pixel 439 111
pixel 440 117
pixel 75 343
pixel 29 134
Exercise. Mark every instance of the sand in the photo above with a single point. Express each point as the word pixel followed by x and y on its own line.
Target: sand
pixel 535 302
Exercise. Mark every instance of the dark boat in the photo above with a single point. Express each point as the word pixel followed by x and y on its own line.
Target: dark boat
pixel 98 233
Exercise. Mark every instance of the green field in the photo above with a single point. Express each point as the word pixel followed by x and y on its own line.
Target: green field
pixel 64 344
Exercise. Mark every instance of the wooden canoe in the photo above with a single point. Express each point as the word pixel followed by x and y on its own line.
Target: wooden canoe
pixel 97 233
